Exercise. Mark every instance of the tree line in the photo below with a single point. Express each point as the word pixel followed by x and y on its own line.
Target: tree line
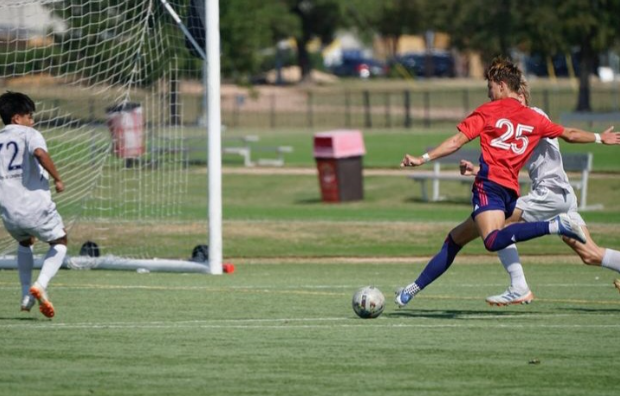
pixel 250 30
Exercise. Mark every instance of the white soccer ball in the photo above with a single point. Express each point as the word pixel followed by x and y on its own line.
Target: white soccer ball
pixel 368 302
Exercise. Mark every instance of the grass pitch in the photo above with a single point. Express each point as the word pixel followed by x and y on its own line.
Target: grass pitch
pixel 282 324
pixel 284 327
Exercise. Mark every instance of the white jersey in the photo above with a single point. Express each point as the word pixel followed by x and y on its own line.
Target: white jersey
pixel 25 198
pixel 545 165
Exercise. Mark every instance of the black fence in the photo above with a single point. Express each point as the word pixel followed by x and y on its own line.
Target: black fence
pixel 390 109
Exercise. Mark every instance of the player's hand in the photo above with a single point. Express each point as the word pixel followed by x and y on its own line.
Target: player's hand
pixel 410 160
pixel 467 168
pixel 60 186
pixel 610 137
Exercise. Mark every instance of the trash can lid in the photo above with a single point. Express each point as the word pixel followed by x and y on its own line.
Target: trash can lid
pixel 339 143
pixel 125 106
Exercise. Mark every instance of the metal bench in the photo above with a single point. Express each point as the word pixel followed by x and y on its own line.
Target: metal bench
pixel 242 147
pixel 573 162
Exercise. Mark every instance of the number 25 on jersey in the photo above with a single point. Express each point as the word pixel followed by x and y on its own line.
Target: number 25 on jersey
pixel 504 142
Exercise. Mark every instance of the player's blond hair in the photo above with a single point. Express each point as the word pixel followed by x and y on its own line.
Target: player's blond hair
pixel 524 90
pixel 504 70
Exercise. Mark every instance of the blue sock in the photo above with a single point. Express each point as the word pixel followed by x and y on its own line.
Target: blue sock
pixel 438 264
pixel 517 232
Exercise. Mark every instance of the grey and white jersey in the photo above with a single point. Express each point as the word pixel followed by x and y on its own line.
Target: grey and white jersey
pixel 545 165
pixel 25 198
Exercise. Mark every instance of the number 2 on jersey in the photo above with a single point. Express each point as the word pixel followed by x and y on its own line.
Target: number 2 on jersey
pixel 502 142
pixel 15 150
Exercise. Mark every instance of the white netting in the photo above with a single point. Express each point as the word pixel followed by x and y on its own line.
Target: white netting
pixel 98 68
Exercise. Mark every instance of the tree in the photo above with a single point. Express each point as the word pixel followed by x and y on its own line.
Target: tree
pixel 318 19
pixel 551 27
pixel 587 27
pixel 490 27
pixel 394 18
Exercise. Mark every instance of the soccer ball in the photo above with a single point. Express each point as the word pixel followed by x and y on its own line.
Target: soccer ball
pixel 368 302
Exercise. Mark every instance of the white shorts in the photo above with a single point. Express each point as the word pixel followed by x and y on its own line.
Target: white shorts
pixel 51 229
pixel 543 204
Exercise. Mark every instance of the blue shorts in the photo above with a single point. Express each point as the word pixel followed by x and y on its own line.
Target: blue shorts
pixel 488 195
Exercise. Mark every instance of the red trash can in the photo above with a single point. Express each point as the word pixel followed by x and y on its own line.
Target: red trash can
pixel 338 156
pixel 126 125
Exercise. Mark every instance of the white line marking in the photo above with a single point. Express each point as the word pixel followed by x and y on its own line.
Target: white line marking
pixel 302 323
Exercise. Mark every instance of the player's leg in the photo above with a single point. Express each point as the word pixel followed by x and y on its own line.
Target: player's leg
pixel 592 254
pixel 493 198
pixel 498 239
pixel 25 263
pixel 518 292
pixel 52 261
pixel 456 239
pixel 52 232
pixel 509 257
pixel 492 204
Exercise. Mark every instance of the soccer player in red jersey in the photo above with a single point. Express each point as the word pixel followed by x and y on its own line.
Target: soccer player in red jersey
pixel 508 132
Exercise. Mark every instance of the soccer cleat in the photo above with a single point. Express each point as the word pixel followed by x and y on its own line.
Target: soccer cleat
pixel 27 303
pixel 45 305
pixel 402 297
pixel 511 296
pixel 617 284
pixel 568 228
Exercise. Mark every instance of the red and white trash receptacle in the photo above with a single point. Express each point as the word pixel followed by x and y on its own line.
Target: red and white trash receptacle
pixel 126 124
pixel 338 156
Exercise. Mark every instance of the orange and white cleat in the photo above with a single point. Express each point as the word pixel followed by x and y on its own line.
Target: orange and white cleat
pixel 45 305
pixel 511 296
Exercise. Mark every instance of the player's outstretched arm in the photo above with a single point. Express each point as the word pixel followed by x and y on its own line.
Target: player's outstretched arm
pixel 447 147
pixel 574 135
pixel 46 162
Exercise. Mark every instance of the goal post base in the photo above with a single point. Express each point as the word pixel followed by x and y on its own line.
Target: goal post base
pixel 110 262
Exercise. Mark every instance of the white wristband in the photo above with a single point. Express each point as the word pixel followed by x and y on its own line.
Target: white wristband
pixel 597 138
pixel 426 157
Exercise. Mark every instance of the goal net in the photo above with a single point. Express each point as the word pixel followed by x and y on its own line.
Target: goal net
pixel 118 95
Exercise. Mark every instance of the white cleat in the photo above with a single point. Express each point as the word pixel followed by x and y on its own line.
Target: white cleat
pixel 27 303
pixel 569 228
pixel 402 297
pixel 511 296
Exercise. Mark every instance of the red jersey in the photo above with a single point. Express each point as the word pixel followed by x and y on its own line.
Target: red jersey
pixel 508 132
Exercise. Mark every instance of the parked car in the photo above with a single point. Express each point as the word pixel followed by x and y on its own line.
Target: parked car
pixel 416 63
pixel 537 65
pixel 360 67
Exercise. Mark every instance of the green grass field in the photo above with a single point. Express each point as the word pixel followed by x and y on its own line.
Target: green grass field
pixel 287 327
pixel 282 323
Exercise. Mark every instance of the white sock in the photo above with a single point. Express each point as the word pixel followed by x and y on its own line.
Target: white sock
pixel 53 260
pixel 509 256
pixel 25 262
pixel 554 228
pixel 611 260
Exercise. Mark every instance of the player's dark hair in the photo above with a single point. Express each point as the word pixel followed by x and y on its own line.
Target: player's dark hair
pixel 15 103
pixel 503 70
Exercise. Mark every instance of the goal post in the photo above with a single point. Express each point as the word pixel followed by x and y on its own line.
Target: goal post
pixel 118 99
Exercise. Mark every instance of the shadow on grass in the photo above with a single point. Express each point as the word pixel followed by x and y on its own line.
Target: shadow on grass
pixel 26 318
pixel 310 201
pixel 593 310
pixel 456 314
